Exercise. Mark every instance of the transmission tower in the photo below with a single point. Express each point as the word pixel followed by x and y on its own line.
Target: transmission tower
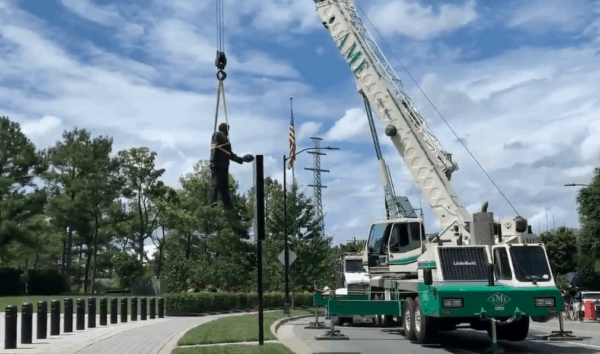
pixel 317 182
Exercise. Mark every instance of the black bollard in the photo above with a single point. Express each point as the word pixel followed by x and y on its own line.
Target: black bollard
pixel 103 311
pixel 123 309
pixel 55 318
pixel 143 309
pixel 68 321
pixel 27 323
pixel 114 310
pixel 10 331
pixel 42 320
pixel 134 307
pixel 80 314
pixel 91 312
pixel 152 308
pixel 161 308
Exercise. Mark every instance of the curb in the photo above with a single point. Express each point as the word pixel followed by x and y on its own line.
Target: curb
pixel 275 326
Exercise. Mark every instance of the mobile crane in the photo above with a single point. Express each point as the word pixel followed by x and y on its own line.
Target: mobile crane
pixel 476 271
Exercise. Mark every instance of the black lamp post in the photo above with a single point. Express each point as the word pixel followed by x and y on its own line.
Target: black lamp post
pixel 286 306
pixel 573 185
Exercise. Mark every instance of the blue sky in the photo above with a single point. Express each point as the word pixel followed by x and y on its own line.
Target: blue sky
pixel 517 81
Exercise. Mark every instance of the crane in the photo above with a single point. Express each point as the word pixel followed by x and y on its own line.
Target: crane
pixel 428 163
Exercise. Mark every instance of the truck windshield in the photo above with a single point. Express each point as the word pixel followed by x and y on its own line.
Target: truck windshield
pixel 354 266
pixel 378 231
pixel 530 264
pixel 594 296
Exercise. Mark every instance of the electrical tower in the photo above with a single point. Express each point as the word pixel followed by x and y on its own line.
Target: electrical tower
pixel 317 182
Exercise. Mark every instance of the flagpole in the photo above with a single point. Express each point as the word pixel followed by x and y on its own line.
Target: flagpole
pixel 293 168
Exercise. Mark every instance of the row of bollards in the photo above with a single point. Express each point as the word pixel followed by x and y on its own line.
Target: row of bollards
pixel 10 338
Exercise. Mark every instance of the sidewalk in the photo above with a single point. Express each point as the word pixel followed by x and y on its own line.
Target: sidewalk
pixel 154 336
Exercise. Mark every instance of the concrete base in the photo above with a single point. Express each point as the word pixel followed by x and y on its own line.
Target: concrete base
pixel 343 337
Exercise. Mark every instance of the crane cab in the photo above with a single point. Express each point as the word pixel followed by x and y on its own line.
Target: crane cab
pixel 394 246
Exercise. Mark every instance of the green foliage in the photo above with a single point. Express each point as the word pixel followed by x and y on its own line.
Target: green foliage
pixel 204 301
pixel 589 238
pixel 19 165
pixel 562 250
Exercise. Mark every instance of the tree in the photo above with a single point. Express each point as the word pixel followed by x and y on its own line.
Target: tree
pixel 589 239
pixel 141 183
pixel 561 247
pixel 19 165
pixel 313 249
pixel 71 162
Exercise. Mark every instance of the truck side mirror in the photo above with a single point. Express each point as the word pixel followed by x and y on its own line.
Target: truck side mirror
pixel 427 276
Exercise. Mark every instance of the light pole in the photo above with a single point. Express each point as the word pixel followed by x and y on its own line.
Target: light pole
pixel 286 306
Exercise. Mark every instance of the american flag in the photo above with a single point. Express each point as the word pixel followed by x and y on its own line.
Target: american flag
pixel 292 137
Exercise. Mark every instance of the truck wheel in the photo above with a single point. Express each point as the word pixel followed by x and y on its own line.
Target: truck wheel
pixel 425 327
pixel 518 330
pixel 408 317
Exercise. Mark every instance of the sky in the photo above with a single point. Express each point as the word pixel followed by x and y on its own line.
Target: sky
pixel 517 81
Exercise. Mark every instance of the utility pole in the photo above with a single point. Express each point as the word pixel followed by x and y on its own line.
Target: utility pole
pixel 317 183
pixel 553 227
pixel 546 219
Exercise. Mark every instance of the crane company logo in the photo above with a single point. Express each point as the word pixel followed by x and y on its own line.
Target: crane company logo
pixel 499 300
pixel 464 263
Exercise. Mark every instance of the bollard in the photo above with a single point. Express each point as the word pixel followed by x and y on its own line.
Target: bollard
pixel 55 318
pixel 161 308
pixel 103 311
pixel 27 323
pixel 68 321
pixel 42 320
pixel 152 308
pixel 123 309
pixel 10 331
pixel 143 309
pixel 114 309
pixel 91 312
pixel 80 314
pixel 134 308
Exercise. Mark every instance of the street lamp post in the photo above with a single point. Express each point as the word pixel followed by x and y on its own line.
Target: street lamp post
pixel 573 185
pixel 286 306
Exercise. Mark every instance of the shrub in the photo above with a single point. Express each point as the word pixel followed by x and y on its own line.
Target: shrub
pixel 186 303
pixel 10 279
pixel 46 282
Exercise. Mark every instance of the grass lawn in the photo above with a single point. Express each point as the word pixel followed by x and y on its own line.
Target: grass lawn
pixel 235 329
pixel 268 348
pixel 19 300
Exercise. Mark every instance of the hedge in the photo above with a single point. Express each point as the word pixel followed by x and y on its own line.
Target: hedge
pixel 10 279
pixel 205 302
pixel 46 282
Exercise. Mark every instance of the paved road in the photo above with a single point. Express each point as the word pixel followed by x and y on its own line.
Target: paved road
pixel 366 339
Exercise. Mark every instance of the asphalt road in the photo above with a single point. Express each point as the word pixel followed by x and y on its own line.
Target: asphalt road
pixel 366 339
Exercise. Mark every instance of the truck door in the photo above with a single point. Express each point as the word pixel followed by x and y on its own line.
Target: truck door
pixel 405 242
pixel 377 243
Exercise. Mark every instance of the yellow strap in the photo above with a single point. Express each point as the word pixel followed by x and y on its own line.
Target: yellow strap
pixel 220 147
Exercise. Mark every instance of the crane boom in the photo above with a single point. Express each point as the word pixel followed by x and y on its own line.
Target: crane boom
pixel 427 162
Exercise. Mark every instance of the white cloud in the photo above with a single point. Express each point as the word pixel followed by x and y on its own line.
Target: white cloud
pixel 354 124
pixel 551 14
pixel 307 130
pixel 104 15
pixel 590 148
pixel 411 18
pixel 579 171
pixel 44 126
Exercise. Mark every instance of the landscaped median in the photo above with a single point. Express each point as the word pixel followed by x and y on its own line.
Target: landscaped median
pixel 233 330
